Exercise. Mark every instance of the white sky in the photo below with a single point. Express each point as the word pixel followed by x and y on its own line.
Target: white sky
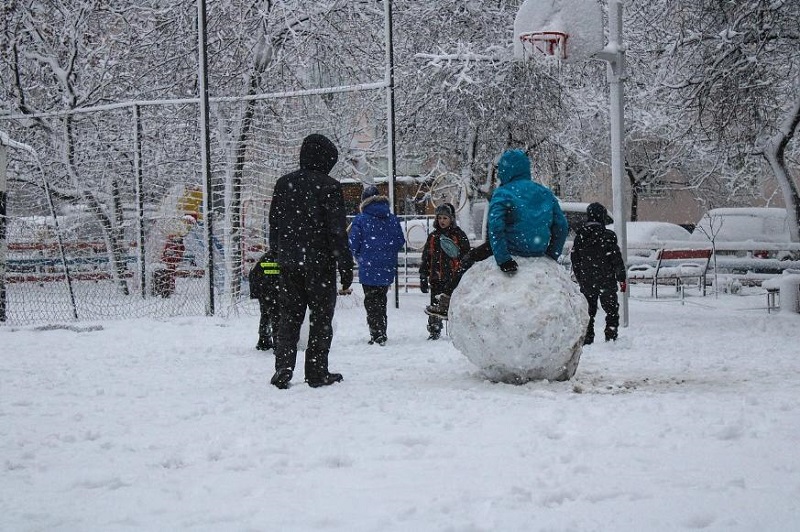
pixel 690 421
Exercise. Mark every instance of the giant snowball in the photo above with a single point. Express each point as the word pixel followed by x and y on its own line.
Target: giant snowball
pixel 529 326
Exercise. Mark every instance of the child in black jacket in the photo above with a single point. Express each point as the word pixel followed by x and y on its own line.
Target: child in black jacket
pixel 598 266
pixel 445 246
pixel 264 280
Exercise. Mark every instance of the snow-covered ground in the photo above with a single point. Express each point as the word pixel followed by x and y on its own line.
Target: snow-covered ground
pixel 690 421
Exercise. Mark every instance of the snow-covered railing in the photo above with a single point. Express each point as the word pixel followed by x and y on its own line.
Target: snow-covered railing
pixel 737 258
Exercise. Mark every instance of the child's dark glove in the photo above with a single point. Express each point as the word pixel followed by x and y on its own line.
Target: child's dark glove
pixel 423 285
pixel 623 286
pixel 509 267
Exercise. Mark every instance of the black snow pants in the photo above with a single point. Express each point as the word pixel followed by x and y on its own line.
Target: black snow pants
pixel 375 305
pixel 300 288
pixel 434 323
pixel 270 317
pixel 607 294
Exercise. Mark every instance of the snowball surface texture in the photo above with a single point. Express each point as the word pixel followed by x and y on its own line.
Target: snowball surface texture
pixel 529 326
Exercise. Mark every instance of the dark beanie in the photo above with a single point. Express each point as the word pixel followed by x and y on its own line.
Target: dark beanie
pixel 369 191
pixel 595 212
pixel 445 209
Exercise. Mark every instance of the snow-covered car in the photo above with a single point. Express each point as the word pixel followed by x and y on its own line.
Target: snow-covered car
pixel 646 237
pixel 749 224
pixel 641 272
pixel 690 268
pixel 749 239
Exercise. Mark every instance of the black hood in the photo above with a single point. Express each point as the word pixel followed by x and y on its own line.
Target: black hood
pixel 318 153
pixel 595 212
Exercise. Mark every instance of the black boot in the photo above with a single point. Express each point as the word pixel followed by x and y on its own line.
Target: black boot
pixel 589 338
pixel 282 378
pixel 611 334
pixel 325 380
pixel 264 343
pixel 377 337
pixel 440 309
pixel 434 328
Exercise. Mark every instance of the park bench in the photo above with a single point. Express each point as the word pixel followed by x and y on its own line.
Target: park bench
pixel 681 265
pixel 783 292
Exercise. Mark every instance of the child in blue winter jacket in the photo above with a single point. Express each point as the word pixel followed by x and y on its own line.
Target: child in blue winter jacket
pixel 375 239
pixel 525 219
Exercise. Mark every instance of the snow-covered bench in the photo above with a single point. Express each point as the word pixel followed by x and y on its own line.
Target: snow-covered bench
pixel 783 292
pixel 668 267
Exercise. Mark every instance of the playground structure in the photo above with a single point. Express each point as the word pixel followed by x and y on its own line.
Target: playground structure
pixel 178 220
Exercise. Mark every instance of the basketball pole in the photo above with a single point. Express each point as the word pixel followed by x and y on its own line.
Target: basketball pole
pixel 614 55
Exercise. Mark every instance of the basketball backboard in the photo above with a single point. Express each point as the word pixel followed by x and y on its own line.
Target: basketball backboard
pixel 568 30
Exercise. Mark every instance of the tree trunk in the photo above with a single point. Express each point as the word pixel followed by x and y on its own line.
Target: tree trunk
pixel 774 153
pixel 634 195
pixel 110 234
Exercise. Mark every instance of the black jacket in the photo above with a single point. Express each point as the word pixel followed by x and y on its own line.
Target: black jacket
pixel 596 257
pixel 307 224
pixel 264 278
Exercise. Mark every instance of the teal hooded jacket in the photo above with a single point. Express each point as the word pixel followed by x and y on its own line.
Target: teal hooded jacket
pixel 525 218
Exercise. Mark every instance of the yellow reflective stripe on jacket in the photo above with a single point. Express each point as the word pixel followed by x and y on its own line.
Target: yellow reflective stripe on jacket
pixel 270 268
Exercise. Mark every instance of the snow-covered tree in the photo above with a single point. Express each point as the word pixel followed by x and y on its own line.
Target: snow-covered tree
pixel 730 71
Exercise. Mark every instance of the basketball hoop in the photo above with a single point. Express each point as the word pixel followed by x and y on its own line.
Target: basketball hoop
pixel 549 44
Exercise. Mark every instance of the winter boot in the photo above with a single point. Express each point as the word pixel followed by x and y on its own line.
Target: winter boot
pixel 589 338
pixel 611 334
pixel 325 380
pixel 434 328
pixel 377 337
pixel 440 309
pixel 282 378
pixel 264 343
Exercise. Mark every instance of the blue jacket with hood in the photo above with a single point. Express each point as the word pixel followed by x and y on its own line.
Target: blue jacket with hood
pixel 525 218
pixel 375 239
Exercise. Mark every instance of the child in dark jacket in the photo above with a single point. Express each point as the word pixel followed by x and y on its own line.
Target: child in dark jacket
pixel 264 280
pixel 476 254
pixel 445 246
pixel 598 266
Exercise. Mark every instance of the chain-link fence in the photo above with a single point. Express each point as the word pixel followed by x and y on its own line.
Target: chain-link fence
pixel 106 208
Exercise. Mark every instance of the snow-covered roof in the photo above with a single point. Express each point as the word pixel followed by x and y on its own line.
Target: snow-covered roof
pixel 654 232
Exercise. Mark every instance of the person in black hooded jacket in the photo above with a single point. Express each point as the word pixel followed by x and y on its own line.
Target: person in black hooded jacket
pixel 598 266
pixel 307 232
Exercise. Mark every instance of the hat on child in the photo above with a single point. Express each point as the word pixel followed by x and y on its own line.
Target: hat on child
pixel 595 212
pixel 369 191
pixel 445 209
